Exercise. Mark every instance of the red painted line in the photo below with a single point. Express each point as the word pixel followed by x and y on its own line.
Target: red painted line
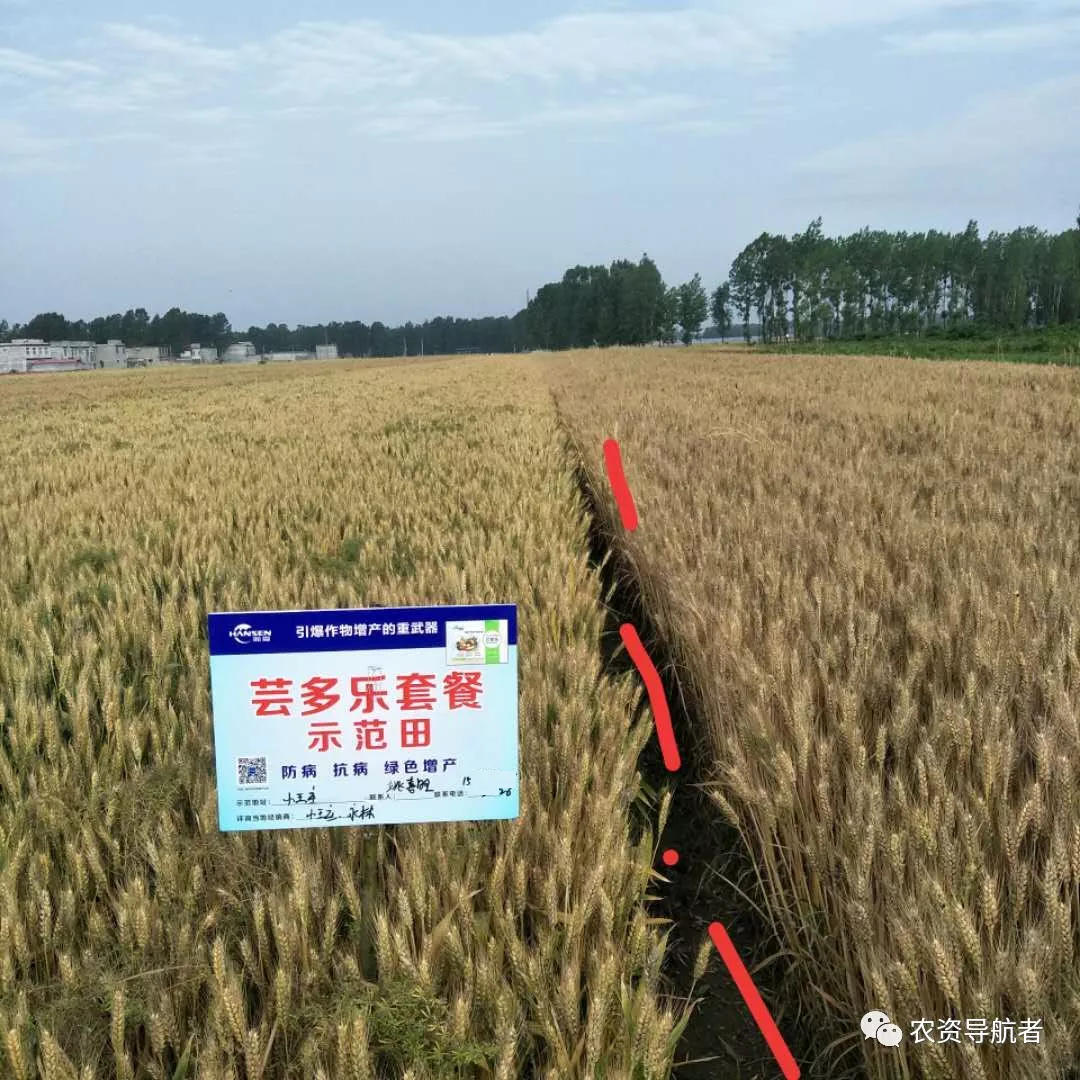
pixel 657 698
pixel 665 733
pixel 788 1065
pixel 619 486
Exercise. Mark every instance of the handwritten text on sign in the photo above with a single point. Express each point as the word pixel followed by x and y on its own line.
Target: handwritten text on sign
pixel 382 716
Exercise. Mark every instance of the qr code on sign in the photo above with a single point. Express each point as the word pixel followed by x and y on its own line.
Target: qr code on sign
pixel 251 771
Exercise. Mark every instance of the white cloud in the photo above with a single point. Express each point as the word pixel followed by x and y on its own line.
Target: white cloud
pixel 218 114
pixel 791 21
pixel 702 127
pixel 188 51
pixel 21 150
pixel 320 61
pixel 620 110
pixel 17 141
pixel 25 65
pixel 1006 127
pixel 428 120
pixel 463 130
pixel 1061 33
pixel 367 68
pixel 603 68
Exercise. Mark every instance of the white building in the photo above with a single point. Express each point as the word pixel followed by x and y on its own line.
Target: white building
pixel 238 353
pixel 33 354
pixel 66 356
pixel 326 352
pixel 287 357
pixel 16 355
pixel 141 355
pixel 110 355
pixel 199 354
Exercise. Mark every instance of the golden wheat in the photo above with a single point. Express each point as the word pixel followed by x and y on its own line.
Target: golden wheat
pixel 872 604
pixel 135 939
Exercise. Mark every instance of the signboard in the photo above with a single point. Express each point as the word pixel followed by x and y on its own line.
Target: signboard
pixel 374 716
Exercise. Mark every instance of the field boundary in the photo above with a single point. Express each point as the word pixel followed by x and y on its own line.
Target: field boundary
pixel 704 886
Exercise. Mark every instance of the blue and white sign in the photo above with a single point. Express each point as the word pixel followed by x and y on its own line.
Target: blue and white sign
pixel 375 716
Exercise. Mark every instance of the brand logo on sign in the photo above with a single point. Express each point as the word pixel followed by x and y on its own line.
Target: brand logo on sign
pixel 243 634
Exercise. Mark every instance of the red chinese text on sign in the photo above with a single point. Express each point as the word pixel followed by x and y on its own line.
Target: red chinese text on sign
pixel 367 692
pixel 317 696
pixel 324 734
pixel 463 689
pixel 416 691
pixel 370 734
pixel 271 697
pixel 415 731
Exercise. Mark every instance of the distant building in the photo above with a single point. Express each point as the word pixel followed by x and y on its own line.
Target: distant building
pixel 286 357
pixel 199 354
pixel 110 355
pixel 17 355
pixel 141 355
pixel 33 354
pixel 326 352
pixel 71 354
pixel 240 352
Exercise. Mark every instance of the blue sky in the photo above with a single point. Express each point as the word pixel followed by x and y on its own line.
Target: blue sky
pixel 400 161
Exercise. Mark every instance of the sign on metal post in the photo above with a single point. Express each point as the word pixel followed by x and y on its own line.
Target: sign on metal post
pixel 366 717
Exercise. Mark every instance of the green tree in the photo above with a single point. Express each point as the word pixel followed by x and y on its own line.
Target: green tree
pixel 742 279
pixel 620 305
pixel 135 328
pixel 667 316
pixel 49 326
pixel 644 298
pixel 720 308
pixel 693 307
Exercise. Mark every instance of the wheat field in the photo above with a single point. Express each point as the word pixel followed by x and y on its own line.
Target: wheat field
pixel 865 573
pixel 138 941
pixel 867 576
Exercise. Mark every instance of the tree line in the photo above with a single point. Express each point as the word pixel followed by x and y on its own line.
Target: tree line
pixel 439 336
pixel 625 304
pixel 807 286
pixel 875 283
pixel 176 330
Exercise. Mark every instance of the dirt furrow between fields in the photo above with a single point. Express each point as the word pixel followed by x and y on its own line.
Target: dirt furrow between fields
pixel 714 876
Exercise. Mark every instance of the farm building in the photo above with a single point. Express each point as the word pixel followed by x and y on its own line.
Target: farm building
pixel 287 357
pixel 16 355
pixel 110 355
pixel 199 354
pixel 139 355
pixel 326 352
pixel 238 353
pixel 33 354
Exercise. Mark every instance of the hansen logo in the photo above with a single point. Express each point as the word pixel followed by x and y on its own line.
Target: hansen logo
pixel 243 634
